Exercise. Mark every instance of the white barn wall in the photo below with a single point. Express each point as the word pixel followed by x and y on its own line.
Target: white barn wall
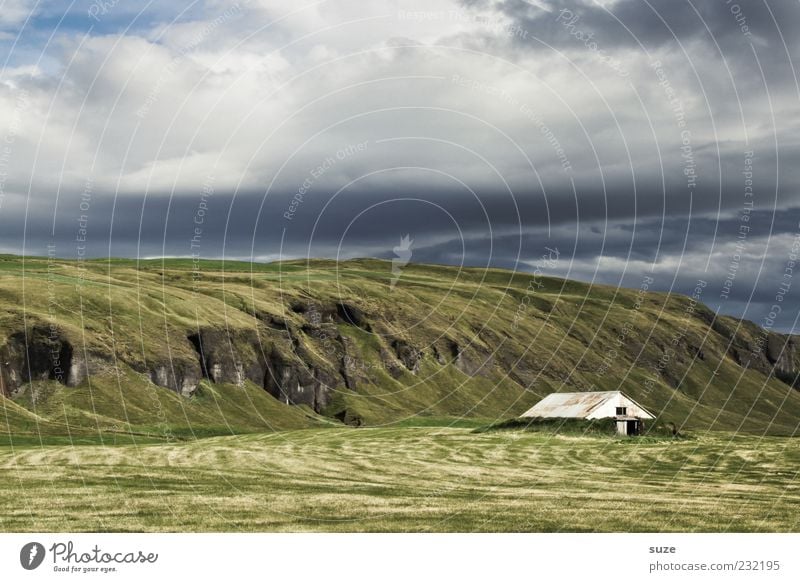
pixel 609 408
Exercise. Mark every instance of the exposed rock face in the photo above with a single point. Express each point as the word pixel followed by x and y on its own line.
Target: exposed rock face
pixel 8 378
pixel 314 312
pixel 391 364
pixel 782 352
pixel 758 349
pixel 85 365
pixel 352 315
pixel 178 375
pixel 769 353
pixel 349 417
pixel 317 313
pixel 439 355
pixel 229 357
pixel 44 353
pixel 272 321
pixel 407 354
pixel 293 382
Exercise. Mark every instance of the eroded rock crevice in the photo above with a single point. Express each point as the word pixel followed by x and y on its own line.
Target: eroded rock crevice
pixel 408 355
pixel 229 357
pixel 179 376
pixel 291 381
pixel 353 315
pixel 43 353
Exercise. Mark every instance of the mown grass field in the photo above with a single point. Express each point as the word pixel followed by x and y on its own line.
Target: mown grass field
pixel 410 479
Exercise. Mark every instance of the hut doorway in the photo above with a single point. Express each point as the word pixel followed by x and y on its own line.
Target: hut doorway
pixel 629 426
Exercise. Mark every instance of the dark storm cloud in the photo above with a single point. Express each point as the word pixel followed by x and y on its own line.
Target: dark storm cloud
pixel 653 23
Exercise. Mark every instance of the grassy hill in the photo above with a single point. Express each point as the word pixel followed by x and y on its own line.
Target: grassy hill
pixel 172 349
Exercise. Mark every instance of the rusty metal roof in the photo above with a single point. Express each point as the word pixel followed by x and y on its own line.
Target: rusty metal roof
pixel 569 404
pixel 583 405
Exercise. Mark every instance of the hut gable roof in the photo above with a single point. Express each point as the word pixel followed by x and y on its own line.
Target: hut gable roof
pixel 585 405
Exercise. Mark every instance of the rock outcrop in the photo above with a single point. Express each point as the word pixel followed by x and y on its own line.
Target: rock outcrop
pixel 783 353
pixel 230 357
pixel 42 353
pixel 293 381
pixel 178 375
pixel 407 354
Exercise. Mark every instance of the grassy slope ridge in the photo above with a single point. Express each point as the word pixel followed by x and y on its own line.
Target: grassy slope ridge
pixel 259 347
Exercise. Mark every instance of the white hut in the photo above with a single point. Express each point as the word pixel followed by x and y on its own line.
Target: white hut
pixel 630 415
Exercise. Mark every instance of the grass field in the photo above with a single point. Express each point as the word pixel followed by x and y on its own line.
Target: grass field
pixel 406 479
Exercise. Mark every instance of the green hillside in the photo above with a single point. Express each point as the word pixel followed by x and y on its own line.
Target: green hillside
pixel 119 350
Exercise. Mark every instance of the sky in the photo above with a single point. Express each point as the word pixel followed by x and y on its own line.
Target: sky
pixel 641 142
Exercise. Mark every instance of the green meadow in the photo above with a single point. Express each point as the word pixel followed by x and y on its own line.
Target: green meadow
pixel 407 479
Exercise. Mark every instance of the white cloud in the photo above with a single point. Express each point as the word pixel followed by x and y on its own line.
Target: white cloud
pixel 14 12
pixel 239 94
